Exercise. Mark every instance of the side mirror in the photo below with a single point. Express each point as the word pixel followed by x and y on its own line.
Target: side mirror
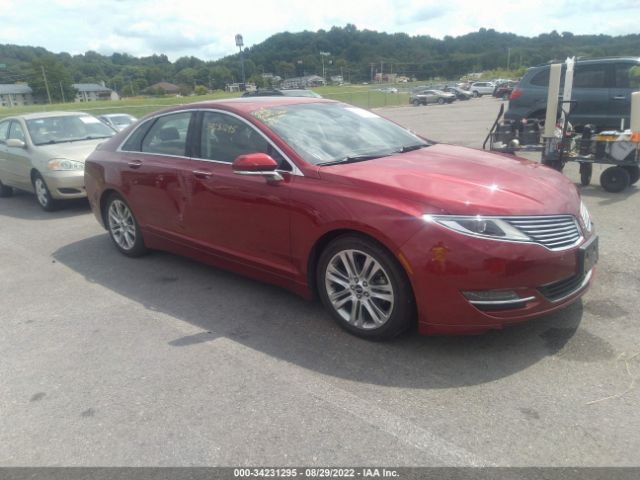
pixel 257 164
pixel 15 143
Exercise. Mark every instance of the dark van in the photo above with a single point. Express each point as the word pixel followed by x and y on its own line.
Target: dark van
pixel 601 88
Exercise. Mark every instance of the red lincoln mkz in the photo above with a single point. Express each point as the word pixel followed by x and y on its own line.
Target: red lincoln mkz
pixel 321 197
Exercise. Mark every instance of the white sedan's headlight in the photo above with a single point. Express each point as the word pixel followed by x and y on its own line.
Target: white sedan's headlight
pixel 64 164
pixel 479 226
pixel 586 218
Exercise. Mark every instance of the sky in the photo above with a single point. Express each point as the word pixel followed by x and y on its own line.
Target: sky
pixel 206 29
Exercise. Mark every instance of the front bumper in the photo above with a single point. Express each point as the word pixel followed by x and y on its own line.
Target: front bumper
pixel 443 264
pixel 66 184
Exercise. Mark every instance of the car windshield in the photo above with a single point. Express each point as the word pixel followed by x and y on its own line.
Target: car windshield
pixel 121 119
pixel 300 93
pixel 324 133
pixel 67 128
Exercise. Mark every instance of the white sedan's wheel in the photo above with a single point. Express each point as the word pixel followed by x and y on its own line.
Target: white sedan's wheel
pixel 43 195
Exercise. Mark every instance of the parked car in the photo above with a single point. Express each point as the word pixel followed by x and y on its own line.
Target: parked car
pixel 44 153
pixel 601 89
pixel 503 90
pixel 424 97
pixel 328 199
pixel 459 93
pixel 285 92
pixel 479 89
pixel 118 121
pixel 389 90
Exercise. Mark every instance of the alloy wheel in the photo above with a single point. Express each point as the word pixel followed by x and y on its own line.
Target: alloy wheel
pixel 122 225
pixel 359 289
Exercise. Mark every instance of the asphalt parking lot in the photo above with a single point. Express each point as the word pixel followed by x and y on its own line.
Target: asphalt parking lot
pixel 111 361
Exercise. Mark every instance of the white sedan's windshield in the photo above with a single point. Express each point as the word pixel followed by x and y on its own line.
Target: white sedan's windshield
pixel 323 133
pixel 67 128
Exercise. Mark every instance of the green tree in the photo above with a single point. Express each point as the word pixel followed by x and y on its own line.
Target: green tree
pixel 200 90
pixel 58 80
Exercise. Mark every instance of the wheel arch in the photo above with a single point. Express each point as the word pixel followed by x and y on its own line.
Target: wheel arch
pixel 103 203
pixel 321 244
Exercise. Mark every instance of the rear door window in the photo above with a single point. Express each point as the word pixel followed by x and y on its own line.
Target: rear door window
pixel 168 135
pixel 590 76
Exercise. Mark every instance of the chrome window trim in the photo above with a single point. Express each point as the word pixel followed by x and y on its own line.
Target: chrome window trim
pixel 294 168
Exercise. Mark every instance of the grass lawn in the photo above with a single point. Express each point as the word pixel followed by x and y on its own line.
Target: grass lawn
pixel 365 96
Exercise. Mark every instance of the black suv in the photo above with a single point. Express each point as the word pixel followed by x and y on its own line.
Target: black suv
pixel 601 89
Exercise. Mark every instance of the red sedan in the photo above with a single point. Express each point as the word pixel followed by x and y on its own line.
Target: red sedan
pixel 319 197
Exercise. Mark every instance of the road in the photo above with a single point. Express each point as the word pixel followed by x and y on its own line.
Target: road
pixel 161 361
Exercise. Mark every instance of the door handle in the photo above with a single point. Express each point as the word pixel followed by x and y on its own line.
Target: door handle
pixel 135 164
pixel 202 173
pixel 619 97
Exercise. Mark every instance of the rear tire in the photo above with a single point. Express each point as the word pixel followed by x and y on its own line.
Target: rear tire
pixel 615 179
pixel 364 288
pixel 441 101
pixel 475 94
pixel 123 227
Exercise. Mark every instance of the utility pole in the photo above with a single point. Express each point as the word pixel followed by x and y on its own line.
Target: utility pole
pixel 62 93
pixel 46 84
pixel 508 57
pixel 381 71
pixel 322 55
pixel 371 65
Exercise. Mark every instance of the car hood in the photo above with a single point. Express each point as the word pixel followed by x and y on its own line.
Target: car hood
pixel 458 180
pixel 77 151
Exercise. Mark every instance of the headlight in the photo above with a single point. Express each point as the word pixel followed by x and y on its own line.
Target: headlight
pixel 586 218
pixel 479 226
pixel 64 164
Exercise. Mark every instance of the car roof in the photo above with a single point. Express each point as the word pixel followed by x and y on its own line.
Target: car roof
pixel 37 115
pixel 591 60
pixel 246 104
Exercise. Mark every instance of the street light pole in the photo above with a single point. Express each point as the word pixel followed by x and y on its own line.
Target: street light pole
pixel 240 44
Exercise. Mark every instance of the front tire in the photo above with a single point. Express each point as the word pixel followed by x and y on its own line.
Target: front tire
pixel 123 227
pixel 43 195
pixel 475 94
pixel 441 101
pixel 364 288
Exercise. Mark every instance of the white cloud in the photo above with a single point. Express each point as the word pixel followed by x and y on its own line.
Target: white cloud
pixel 207 30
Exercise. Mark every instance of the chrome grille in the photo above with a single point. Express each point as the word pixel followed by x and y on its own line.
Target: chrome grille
pixel 554 232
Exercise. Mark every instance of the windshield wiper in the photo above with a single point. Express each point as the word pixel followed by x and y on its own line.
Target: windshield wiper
pixel 354 159
pixel 88 137
pixel 411 148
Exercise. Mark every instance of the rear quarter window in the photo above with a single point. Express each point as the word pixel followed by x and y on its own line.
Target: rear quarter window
pixel 540 79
